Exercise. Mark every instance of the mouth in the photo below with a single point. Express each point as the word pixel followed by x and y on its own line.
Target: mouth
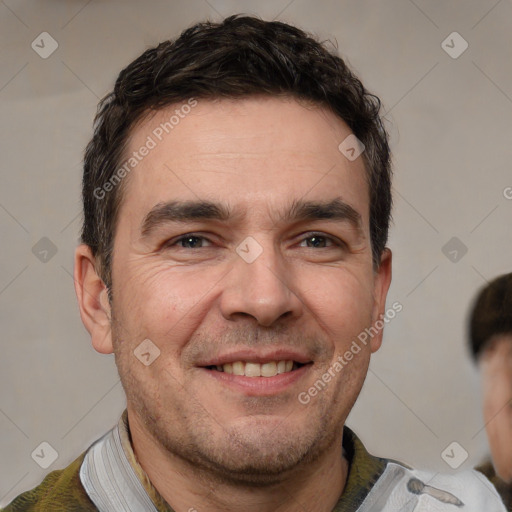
pixel 269 372
pixel 256 369
pixel 259 377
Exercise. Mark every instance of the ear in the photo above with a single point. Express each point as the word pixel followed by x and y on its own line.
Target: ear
pixel 93 300
pixel 382 280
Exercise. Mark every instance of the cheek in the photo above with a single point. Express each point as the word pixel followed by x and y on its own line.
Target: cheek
pixel 163 302
pixel 341 300
pixel 497 384
pixel 167 303
pixel 498 411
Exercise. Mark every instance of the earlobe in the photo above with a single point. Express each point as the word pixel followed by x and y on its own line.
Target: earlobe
pixel 381 287
pixel 93 300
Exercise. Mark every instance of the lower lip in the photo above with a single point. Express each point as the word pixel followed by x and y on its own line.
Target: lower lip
pixel 260 386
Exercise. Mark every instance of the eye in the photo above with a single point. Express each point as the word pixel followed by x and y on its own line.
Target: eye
pixel 319 241
pixel 188 241
pixel 313 240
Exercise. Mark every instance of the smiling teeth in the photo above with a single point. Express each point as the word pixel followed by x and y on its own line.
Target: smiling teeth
pixel 248 369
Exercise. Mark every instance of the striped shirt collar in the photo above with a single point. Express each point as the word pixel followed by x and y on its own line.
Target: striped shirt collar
pixel 115 481
pixel 113 478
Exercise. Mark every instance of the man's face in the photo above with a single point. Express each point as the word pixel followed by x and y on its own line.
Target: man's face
pixel 496 366
pixel 247 293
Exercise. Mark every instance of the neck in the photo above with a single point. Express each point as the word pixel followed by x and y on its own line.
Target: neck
pixel 186 488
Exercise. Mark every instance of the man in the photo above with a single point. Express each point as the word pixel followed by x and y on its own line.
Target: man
pixel 490 335
pixel 236 209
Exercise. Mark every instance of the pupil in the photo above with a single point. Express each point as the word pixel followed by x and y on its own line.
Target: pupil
pixel 190 240
pixel 315 240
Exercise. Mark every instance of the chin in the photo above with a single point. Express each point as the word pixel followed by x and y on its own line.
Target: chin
pixel 262 469
pixel 263 456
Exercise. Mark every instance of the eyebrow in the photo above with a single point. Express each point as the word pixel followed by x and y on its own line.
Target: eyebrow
pixel 300 210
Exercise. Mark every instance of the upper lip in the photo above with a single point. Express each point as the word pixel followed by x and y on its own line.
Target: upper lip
pixel 257 356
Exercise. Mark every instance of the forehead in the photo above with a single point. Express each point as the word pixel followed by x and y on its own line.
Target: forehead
pixel 501 343
pixel 258 152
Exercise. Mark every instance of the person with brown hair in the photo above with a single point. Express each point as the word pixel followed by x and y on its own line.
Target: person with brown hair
pixel 237 199
pixel 490 337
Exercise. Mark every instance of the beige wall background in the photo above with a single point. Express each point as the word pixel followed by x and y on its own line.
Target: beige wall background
pixel 450 123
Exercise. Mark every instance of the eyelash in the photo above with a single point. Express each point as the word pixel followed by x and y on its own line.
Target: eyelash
pixel 335 241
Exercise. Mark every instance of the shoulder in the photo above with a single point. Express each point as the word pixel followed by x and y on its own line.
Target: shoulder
pixel 467 491
pixel 60 491
pixel 504 489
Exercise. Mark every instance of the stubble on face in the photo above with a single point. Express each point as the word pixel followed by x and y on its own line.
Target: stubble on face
pixel 251 440
pixel 261 455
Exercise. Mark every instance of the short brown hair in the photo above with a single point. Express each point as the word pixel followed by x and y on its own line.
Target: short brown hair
pixel 239 57
pixel 491 314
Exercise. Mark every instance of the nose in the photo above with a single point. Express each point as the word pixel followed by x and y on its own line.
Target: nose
pixel 262 289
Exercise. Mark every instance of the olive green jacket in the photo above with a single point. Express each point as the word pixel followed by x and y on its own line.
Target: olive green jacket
pixel 62 490
pixel 373 484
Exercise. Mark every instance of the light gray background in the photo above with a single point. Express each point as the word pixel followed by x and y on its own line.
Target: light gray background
pixel 450 123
